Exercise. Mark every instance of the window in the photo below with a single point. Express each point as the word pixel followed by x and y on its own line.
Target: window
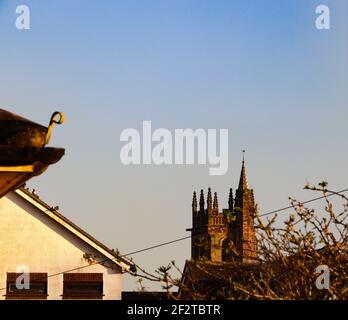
pixel 83 286
pixel 37 287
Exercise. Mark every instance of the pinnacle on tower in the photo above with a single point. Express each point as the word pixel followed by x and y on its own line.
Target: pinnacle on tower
pixel 201 202
pixel 194 202
pixel 230 200
pixel 209 201
pixel 216 203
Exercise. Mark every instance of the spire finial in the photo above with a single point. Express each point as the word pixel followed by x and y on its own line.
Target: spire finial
pixel 243 154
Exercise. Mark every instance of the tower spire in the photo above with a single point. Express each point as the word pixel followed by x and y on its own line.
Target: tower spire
pixel 243 182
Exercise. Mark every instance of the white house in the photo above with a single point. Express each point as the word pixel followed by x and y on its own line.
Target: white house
pixel 60 260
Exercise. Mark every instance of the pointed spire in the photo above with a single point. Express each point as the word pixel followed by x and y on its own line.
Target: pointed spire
pixel 194 202
pixel 230 200
pixel 216 203
pixel 201 202
pixel 209 201
pixel 243 182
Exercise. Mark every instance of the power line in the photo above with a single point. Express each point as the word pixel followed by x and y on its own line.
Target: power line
pixel 114 259
pixel 158 245
pixel 179 239
pixel 304 202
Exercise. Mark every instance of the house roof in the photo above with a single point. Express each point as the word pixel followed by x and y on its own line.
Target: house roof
pixel 207 270
pixel 52 213
pixel 207 278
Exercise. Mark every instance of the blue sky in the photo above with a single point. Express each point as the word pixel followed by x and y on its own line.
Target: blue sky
pixel 258 68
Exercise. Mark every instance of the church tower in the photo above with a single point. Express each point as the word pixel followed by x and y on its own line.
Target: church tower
pixel 227 235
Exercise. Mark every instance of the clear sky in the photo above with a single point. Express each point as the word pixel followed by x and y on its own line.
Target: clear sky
pixel 258 68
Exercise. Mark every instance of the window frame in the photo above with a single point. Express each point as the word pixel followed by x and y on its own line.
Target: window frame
pixel 26 294
pixel 82 279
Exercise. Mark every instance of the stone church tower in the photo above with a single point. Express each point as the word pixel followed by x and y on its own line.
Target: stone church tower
pixel 225 235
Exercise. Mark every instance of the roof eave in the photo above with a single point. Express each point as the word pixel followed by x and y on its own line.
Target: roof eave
pixel 84 236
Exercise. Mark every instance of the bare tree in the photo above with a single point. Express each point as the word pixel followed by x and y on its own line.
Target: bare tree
pixel 303 257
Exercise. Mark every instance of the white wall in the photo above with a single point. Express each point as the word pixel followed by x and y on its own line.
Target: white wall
pixel 28 237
